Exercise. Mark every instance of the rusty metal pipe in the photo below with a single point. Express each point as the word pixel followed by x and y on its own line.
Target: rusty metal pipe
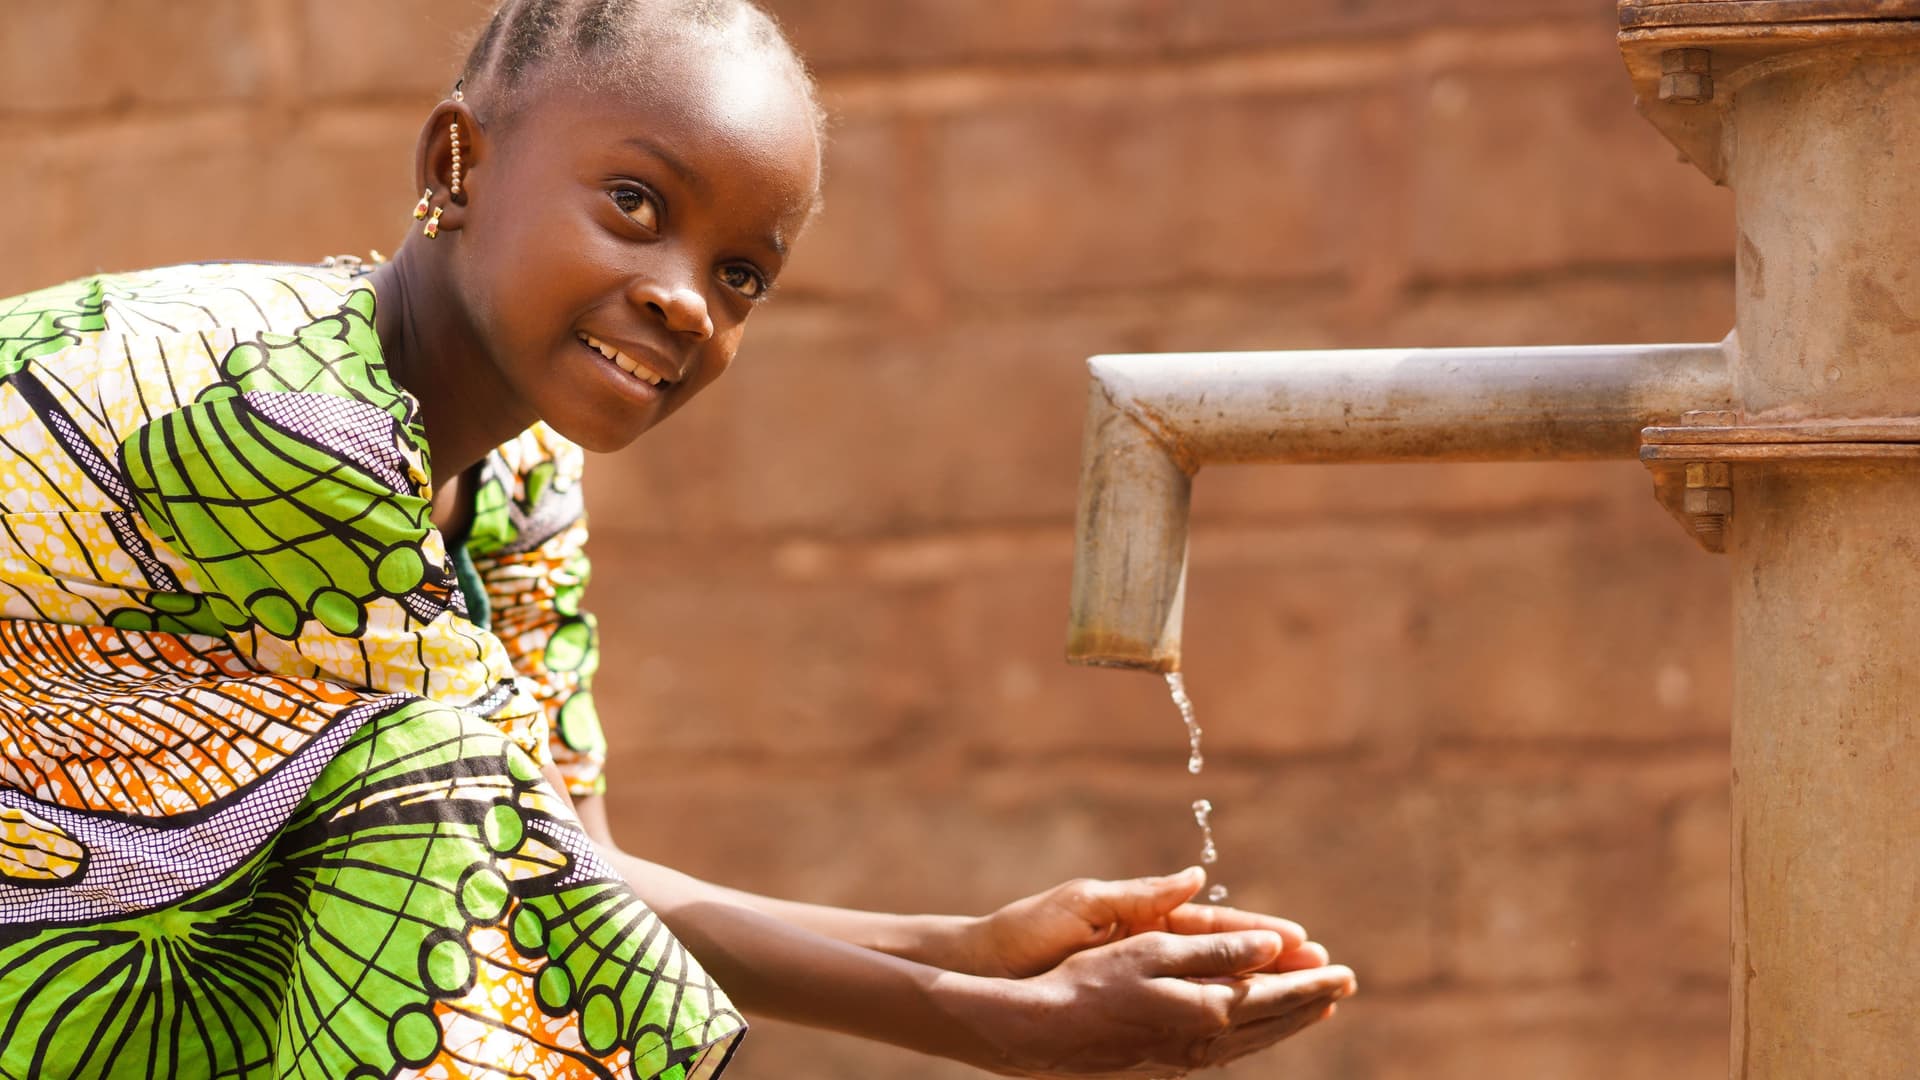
pixel 1826 579
pixel 1811 113
pixel 1153 421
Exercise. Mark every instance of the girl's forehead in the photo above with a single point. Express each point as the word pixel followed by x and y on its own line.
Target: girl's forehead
pixel 726 102
pixel 726 136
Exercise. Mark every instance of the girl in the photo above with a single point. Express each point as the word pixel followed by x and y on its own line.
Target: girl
pixel 295 688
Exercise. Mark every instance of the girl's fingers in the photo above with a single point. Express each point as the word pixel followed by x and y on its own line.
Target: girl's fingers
pixel 1202 956
pixel 1208 919
pixel 1265 996
pixel 1309 955
pixel 1134 904
pixel 1257 1036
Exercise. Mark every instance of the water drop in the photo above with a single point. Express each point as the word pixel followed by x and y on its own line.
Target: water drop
pixel 1177 686
pixel 1202 808
pixel 1202 816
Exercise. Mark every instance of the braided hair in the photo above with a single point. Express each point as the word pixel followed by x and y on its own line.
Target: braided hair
pixel 527 35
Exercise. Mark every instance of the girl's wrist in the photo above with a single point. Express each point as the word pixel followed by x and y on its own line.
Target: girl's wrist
pixel 994 1019
pixel 949 942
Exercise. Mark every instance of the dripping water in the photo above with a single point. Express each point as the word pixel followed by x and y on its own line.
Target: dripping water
pixel 1203 817
pixel 1177 686
pixel 1202 808
pixel 1209 851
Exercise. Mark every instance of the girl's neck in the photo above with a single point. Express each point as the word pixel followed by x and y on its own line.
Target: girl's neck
pixel 433 351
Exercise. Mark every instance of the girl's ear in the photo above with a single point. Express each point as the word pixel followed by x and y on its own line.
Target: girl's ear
pixel 452 149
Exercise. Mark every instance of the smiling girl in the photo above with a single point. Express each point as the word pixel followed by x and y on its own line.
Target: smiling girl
pixel 295 698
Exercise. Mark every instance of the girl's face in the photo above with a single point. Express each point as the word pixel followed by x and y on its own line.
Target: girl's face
pixel 615 240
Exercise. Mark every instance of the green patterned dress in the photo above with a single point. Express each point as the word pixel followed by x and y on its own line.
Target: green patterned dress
pixel 271 792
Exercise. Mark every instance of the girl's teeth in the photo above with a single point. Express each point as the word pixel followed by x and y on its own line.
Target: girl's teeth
pixel 622 360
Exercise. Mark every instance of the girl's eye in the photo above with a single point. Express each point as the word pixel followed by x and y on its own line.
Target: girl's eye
pixel 744 280
pixel 638 205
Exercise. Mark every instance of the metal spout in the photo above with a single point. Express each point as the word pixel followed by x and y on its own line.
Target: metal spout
pixel 1154 420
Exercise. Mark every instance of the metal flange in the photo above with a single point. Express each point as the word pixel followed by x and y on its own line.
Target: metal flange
pixel 1692 464
pixel 1688 57
pixel 1641 14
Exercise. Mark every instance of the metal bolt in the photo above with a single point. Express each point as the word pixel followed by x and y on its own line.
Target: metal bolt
pixel 1709 502
pixel 1709 474
pixel 1686 76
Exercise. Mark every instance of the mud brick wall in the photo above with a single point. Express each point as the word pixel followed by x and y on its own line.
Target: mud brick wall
pixel 1469 724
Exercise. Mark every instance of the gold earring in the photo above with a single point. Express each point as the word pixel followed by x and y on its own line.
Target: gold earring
pixel 432 228
pixel 426 203
pixel 456 160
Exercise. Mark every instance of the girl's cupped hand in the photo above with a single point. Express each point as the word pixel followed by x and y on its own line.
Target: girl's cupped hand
pixel 1160 1004
pixel 1035 934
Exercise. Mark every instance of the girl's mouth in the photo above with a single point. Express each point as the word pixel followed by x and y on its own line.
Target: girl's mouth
pixel 622 361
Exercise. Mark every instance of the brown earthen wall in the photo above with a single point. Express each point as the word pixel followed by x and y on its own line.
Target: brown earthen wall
pixel 1467 723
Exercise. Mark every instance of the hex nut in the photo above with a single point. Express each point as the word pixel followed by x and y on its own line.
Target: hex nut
pixel 1686 88
pixel 1686 76
pixel 1717 501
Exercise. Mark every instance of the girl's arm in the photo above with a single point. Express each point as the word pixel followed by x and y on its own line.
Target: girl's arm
pixel 1026 937
pixel 937 940
pixel 1147 1005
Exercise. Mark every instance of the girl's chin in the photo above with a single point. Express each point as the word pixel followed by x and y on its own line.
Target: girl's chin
pixel 602 431
pixel 600 407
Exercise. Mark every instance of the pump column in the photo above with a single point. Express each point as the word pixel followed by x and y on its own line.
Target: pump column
pixel 1826 574
pixel 1812 483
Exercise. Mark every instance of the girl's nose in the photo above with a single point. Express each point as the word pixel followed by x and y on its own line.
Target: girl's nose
pixel 679 305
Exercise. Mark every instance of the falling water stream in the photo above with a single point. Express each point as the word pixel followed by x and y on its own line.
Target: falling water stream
pixel 1202 808
pixel 1202 816
pixel 1177 686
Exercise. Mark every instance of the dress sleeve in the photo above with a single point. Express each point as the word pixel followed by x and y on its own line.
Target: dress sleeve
pixel 527 549
pixel 292 497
